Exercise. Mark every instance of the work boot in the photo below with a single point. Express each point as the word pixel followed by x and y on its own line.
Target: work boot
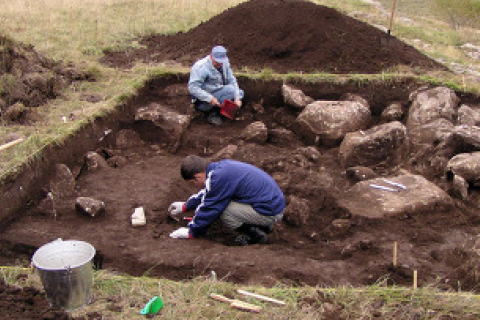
pixel 266 229
pixel 214 118
pixel 254 234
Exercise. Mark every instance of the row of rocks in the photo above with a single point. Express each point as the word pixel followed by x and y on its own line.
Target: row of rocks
pixel 436 121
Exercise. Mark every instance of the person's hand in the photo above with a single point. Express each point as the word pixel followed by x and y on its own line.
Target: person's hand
pixel 214 102
pixel 180 233
pixel 176 208
pixel 238 102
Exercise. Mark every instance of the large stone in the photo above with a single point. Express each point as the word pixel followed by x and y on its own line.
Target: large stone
pixel 431 104
pixel 386 144
pixel 297 211
pixel 462 139
pixel 468 116
pixel 420 196
pixel 171 123
pixel 325 122
pixel 256 132
pixel 430 133
pixel 295 98
pixel 95 161
pixel 394 112
pixel 466 165
pixel 62 183
pixel 89 206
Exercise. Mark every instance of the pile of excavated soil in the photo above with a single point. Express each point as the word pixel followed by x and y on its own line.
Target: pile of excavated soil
pixel 286 36
pixel 28 80
pixel 27 303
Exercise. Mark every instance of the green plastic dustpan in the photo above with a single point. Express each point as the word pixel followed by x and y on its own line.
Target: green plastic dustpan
pixel 153 306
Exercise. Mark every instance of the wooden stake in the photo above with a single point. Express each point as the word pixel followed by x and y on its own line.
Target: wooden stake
pixel 395 254
pixel 11 144
pixel 241 305
pixel 415 279
pixel 246 293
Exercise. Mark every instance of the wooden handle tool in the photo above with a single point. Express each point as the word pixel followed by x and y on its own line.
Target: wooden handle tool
pixel 258 296
pixel 237 303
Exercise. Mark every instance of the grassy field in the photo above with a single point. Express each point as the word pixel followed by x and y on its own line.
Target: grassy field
pixel 79 31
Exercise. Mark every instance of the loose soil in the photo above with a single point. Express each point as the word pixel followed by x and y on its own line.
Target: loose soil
pixel 285 36
pixel 439 245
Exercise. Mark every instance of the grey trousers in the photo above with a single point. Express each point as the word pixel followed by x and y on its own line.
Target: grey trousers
pixel 236 214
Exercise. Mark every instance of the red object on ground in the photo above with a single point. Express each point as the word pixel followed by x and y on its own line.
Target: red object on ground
pixel 228 109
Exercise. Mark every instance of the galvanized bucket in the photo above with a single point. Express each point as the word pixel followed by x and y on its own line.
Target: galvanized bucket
pixel 66 270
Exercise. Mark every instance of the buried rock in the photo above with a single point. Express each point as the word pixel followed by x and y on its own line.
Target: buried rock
pixel 295 98
pixel 256 132
pixel 386 143
pixel 90 206
pixel 327 122
pixel 395 196
pixel 466 165
pixel 432 104
pixel 171 123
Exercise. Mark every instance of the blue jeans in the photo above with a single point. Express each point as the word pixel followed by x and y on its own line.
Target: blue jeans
pixel 226 92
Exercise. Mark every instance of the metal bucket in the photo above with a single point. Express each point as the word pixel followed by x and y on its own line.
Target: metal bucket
pixel 66 270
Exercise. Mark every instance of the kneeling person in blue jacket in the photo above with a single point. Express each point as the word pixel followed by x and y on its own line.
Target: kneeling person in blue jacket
pixel 244 197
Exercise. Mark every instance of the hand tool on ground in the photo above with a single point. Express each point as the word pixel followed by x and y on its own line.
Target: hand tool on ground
pixel 391 18
pixel 386 40
pixel 10 144
pixel 258 296
pixel 237 303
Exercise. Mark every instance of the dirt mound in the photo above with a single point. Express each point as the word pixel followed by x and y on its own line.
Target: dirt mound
pixel 27 303
pixel 286 36
pixel 28 79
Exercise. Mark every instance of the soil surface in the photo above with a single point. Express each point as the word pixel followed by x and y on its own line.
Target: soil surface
pixel 283 35
pixel 26 303
pixel 437 244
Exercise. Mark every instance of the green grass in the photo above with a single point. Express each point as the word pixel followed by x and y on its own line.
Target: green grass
pixel 122 297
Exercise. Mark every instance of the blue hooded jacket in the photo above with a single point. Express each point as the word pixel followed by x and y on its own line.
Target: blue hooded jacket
pixel 230 180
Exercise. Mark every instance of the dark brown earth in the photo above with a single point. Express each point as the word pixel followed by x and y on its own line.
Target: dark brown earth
pixel 439 245
pixel 26 303
pixel 283 35
pixel 28 80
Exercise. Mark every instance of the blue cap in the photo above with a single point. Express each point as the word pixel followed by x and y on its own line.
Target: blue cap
pixel 219 54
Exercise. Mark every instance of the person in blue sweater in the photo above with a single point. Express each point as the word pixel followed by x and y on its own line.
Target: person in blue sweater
pixel 211 82
pixel 244 198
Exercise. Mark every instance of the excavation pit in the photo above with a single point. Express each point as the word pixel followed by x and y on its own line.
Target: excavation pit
pixel 321 243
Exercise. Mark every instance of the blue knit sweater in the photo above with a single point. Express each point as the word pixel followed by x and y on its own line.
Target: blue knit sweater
pixel 230 180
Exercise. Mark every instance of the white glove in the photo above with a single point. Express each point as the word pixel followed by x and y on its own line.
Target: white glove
pixel 176 208
pixel 180 233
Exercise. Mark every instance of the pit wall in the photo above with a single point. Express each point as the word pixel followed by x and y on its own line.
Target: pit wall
pixel 26 188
